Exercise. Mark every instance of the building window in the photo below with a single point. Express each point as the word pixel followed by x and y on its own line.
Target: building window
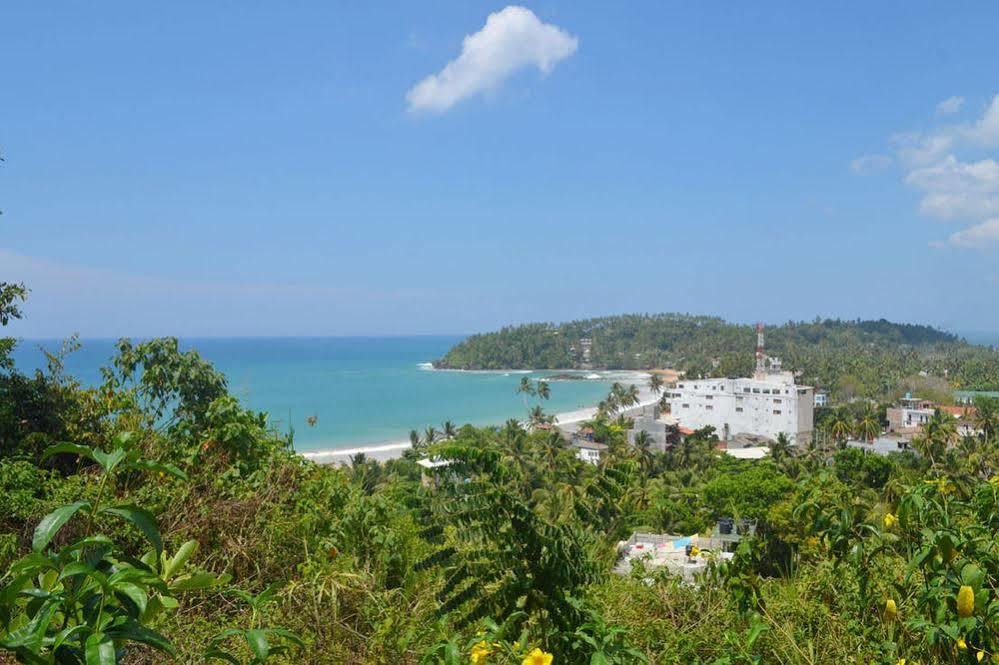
pixel 776 401
pixel 709 397
pixel 738 398
pixel 745 390
pixel 776 412
pixel 756 390
pixel 709 407
pixel 686 406
pixel 738 409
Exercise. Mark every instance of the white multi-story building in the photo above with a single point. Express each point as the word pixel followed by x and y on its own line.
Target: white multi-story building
pixel 766 405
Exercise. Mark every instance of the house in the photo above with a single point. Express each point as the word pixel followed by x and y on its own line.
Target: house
pixel 589 451
pixel 821 398
pixel 659 428
pixel 910 414
pixel 884 445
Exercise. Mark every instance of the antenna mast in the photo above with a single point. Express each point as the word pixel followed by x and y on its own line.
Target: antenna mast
pixel 761 369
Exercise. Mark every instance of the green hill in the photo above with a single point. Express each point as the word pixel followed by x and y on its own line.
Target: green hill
pixel 864 357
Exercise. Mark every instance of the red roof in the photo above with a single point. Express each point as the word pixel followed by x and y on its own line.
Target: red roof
pixel 958 411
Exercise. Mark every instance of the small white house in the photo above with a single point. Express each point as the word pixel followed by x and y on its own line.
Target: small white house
pixel 589 451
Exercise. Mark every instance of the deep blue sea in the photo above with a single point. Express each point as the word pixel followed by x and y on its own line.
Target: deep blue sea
pixel 362 390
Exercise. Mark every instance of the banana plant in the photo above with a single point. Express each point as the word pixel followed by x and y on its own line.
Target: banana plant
pixel 87 601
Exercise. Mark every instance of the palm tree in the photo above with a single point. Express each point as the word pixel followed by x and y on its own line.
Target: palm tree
pixel 643 447
pixel 664 405
pixel 869 425
pixel 780 449
pixel 841 427
pixel 414 439
pixel 631 395
pixel 938 434
pixel 449 429
pixel 987 417
pixel 430 435
pixel 656 383
pixel 543 391
pixel 536 417
pixel 525 388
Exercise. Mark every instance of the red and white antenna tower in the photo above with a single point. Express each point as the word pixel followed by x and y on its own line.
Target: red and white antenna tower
pixel 760 364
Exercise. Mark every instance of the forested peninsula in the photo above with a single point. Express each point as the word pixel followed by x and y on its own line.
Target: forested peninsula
pixel 855 358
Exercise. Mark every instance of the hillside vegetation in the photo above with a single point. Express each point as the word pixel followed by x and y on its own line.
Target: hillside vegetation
pixel 154 519
pixel 869 358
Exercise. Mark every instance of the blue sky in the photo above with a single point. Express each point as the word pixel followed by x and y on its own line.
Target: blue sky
pixel 231 168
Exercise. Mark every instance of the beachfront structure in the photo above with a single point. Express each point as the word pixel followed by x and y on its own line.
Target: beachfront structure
pixel 821 398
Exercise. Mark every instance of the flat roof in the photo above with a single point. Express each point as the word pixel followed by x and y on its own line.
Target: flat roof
pixel 754 452
pixel 433 463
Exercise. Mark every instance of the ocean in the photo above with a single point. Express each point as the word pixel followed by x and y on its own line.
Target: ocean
pixel 362 390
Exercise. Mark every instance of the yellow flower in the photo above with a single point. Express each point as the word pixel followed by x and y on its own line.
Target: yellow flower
pixel 980 655
pixel 891 610
pixel 694 551
pixel 890 520
pixel 961 644
pixel 965 601
pixel 537 657
pixel 900 661
pixel 480 652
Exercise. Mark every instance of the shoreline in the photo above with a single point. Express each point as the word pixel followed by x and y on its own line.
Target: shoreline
pixel 388 450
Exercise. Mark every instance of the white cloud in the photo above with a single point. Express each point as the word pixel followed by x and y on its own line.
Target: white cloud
pixel 512 39
pixel 979 236
pixel 870 164
pixel 952 187
pixel 950 105
pixel 918 149
pixel 985 132
pixel 958 190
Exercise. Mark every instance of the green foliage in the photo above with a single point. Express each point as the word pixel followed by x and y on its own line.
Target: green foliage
pixel 88 600
pixel 121 547
pixel 852 358
pixel 746 490
pixel 11 297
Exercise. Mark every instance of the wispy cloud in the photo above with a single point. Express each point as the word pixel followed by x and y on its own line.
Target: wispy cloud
pixel 958 190
pixel 512 39
pixel 980 236
pixel 950 105
pixel 953 188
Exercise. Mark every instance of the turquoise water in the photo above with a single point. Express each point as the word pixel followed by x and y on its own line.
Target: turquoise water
pixel 361 390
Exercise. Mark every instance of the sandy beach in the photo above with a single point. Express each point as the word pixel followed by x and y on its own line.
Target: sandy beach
pixel 567 421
